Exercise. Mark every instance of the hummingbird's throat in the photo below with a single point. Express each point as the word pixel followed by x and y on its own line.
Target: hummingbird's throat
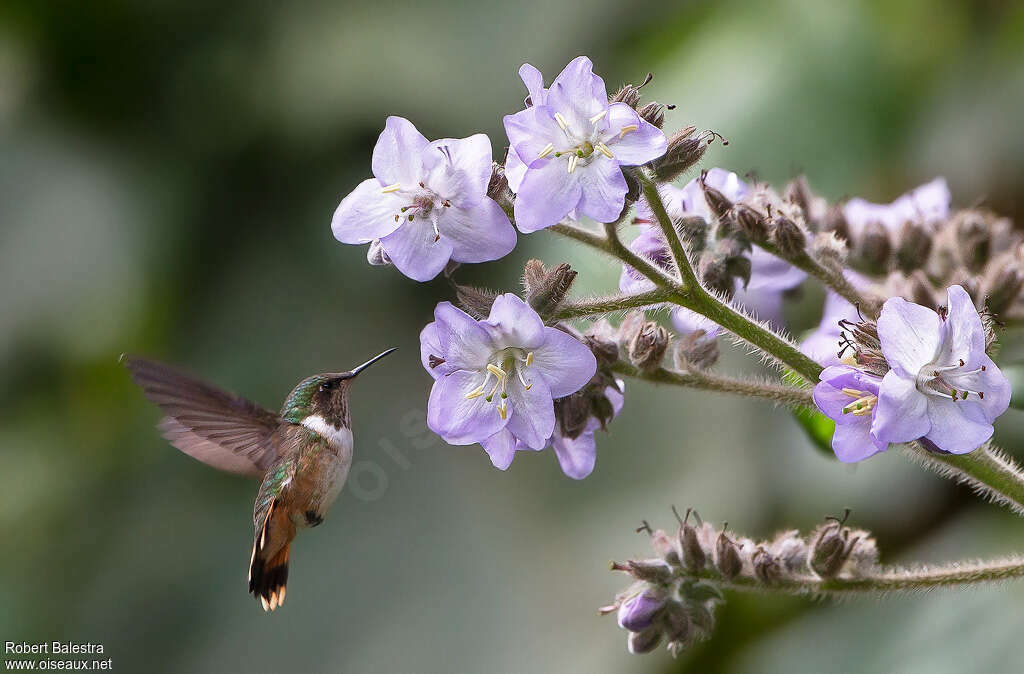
pixel 501 367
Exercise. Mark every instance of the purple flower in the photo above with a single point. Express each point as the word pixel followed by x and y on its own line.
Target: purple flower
pixel 849 397
pixel 577 455
pixel 427 203
pixel 499 374
pixel 927 204
pixel 942 385
pixel 823 344
pixel 638 613
pixel 569 145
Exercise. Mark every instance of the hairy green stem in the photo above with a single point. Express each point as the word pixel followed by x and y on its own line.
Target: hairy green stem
pixel 606 305
pixel 709 381
pixel 986 470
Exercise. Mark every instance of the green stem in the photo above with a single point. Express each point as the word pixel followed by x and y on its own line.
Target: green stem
pixel 986 470
pixel 708 381
pixel 607 305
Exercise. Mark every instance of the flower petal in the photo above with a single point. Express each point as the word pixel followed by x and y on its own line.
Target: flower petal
pixel 398 154
pixel 457 419
pixel 910 335
pixel 564 362
pixel 603 190
pixel 513 323
pixel 957 428
pixel 430 345
pixel 901 414
pixel 853 442
pixel 515 169
pixel 546 195
pixel 365 214
pixel 531 412
pixel 530 131
pixel 965 334
pixel 576 456
pixel 534 81
pixel 578 93
pixel 639 146
pixel 726 182
pixel 462 180
pixel 415 251
pixel 478 233
pixel 501 447
pixel 464 342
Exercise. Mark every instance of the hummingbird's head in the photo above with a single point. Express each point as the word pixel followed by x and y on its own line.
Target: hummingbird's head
pixel 325 395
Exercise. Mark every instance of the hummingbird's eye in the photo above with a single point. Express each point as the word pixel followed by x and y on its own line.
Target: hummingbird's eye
pixel 327 385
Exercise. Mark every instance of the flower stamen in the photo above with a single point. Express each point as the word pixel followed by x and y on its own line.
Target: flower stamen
pixel 548 149
pixel 394 187
pixel 626 129
pixel 605 150
pixel 561 122
pixel 598 117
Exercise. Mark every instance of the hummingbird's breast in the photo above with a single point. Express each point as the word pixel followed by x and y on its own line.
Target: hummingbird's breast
pixel 323 470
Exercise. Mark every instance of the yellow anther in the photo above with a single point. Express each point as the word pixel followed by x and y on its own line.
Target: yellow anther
pixel 548 149
pixel 598 117
pixel 391 188
pixel 495 370
pixel 605 150
pixel 561 121
pixel 626 129
pixel 475 393
pixel 529 359
pixel 503 411
pixel 573 159
pixel 852 392
pixel 850 360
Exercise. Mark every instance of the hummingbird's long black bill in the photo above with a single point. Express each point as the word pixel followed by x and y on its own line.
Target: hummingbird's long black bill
pixel 357 370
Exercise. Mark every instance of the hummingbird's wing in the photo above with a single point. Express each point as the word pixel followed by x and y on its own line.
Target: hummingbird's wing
pixel 216 427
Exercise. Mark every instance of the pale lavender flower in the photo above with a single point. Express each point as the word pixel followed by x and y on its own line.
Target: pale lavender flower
pixel 573 143
pixel 638 613
pixel 577 455
pixel 927 204
pixel 849 397
pixel 502 373
pixel 823 344
pixel 942 385
pixel 427 203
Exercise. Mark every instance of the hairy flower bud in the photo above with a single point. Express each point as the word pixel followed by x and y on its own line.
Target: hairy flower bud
pixel 571 414
pixel 919 290
pixel 873 247
pixel 666 547
pixel 835 222
pixel 650 570
pixel 644 642
pixel 719 204
pixel 913 245
pixel 376 255
pixel 638 613
pixel 798 193
pixel 829 251
pixel 830 549
pixel 751 221
pixel 1002 284
pixel 727 557
pixel 653 113
pixel 791 551
pixel 696 350
pixel 647 348
pixel 677 625
pixel 628 94
pixel 684 150
pixel 973 239
pixel 714 273
pixel 766 567
pixel 546 289
pixel 475 301
pixel 788 236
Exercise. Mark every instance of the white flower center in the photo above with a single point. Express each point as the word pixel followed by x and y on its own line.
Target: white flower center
pixel 420 201
pixel 501 366
pixel 949 381
pixel 582 146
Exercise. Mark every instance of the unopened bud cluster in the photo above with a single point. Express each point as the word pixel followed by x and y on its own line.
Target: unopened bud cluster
pixel 674 596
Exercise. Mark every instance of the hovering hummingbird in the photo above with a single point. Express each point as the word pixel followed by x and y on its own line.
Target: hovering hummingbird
pixel 302 454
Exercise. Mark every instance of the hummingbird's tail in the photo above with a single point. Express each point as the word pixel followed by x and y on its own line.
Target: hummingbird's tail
pixel 268 568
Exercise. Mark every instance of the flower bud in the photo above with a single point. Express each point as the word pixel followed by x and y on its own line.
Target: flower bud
pixel 919 290
pixel 727 557
pixel 751 222
pixel 788 237
pixel 475 301
pixel 766 567
pixel 830 549
pixel 376 254
pixel 1002 284
pixel 546 289
pixel 696 350
pixel 665 547
pixel 714 273
pixel 650 570
pixel 693 553
pixel 829 251
pixel 913 245
pixel 638 613
pixel 717 202
pixel 677 624
pixel 605 350
pixel 572 414
pixel 973 239
pixel 798 193
pixel 873 247
pixel 653 113
pixel 647 348
pixel 629 94
pixel 791 551
pixel 684 150
pixel 835 222
pixel 497 185
pixel 644 642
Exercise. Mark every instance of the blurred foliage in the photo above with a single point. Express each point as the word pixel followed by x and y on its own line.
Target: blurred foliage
pixel 167 178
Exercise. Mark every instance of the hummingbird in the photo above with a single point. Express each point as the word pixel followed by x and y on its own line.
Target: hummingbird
pixel 303 453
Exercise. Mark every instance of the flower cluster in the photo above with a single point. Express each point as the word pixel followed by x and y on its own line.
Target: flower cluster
pixel 916 374
pixel 675 594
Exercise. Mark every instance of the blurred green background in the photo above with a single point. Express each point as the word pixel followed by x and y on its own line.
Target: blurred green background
pixel 168 173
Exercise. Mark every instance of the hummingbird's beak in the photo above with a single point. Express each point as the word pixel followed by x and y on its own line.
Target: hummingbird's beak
pixel 360 368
